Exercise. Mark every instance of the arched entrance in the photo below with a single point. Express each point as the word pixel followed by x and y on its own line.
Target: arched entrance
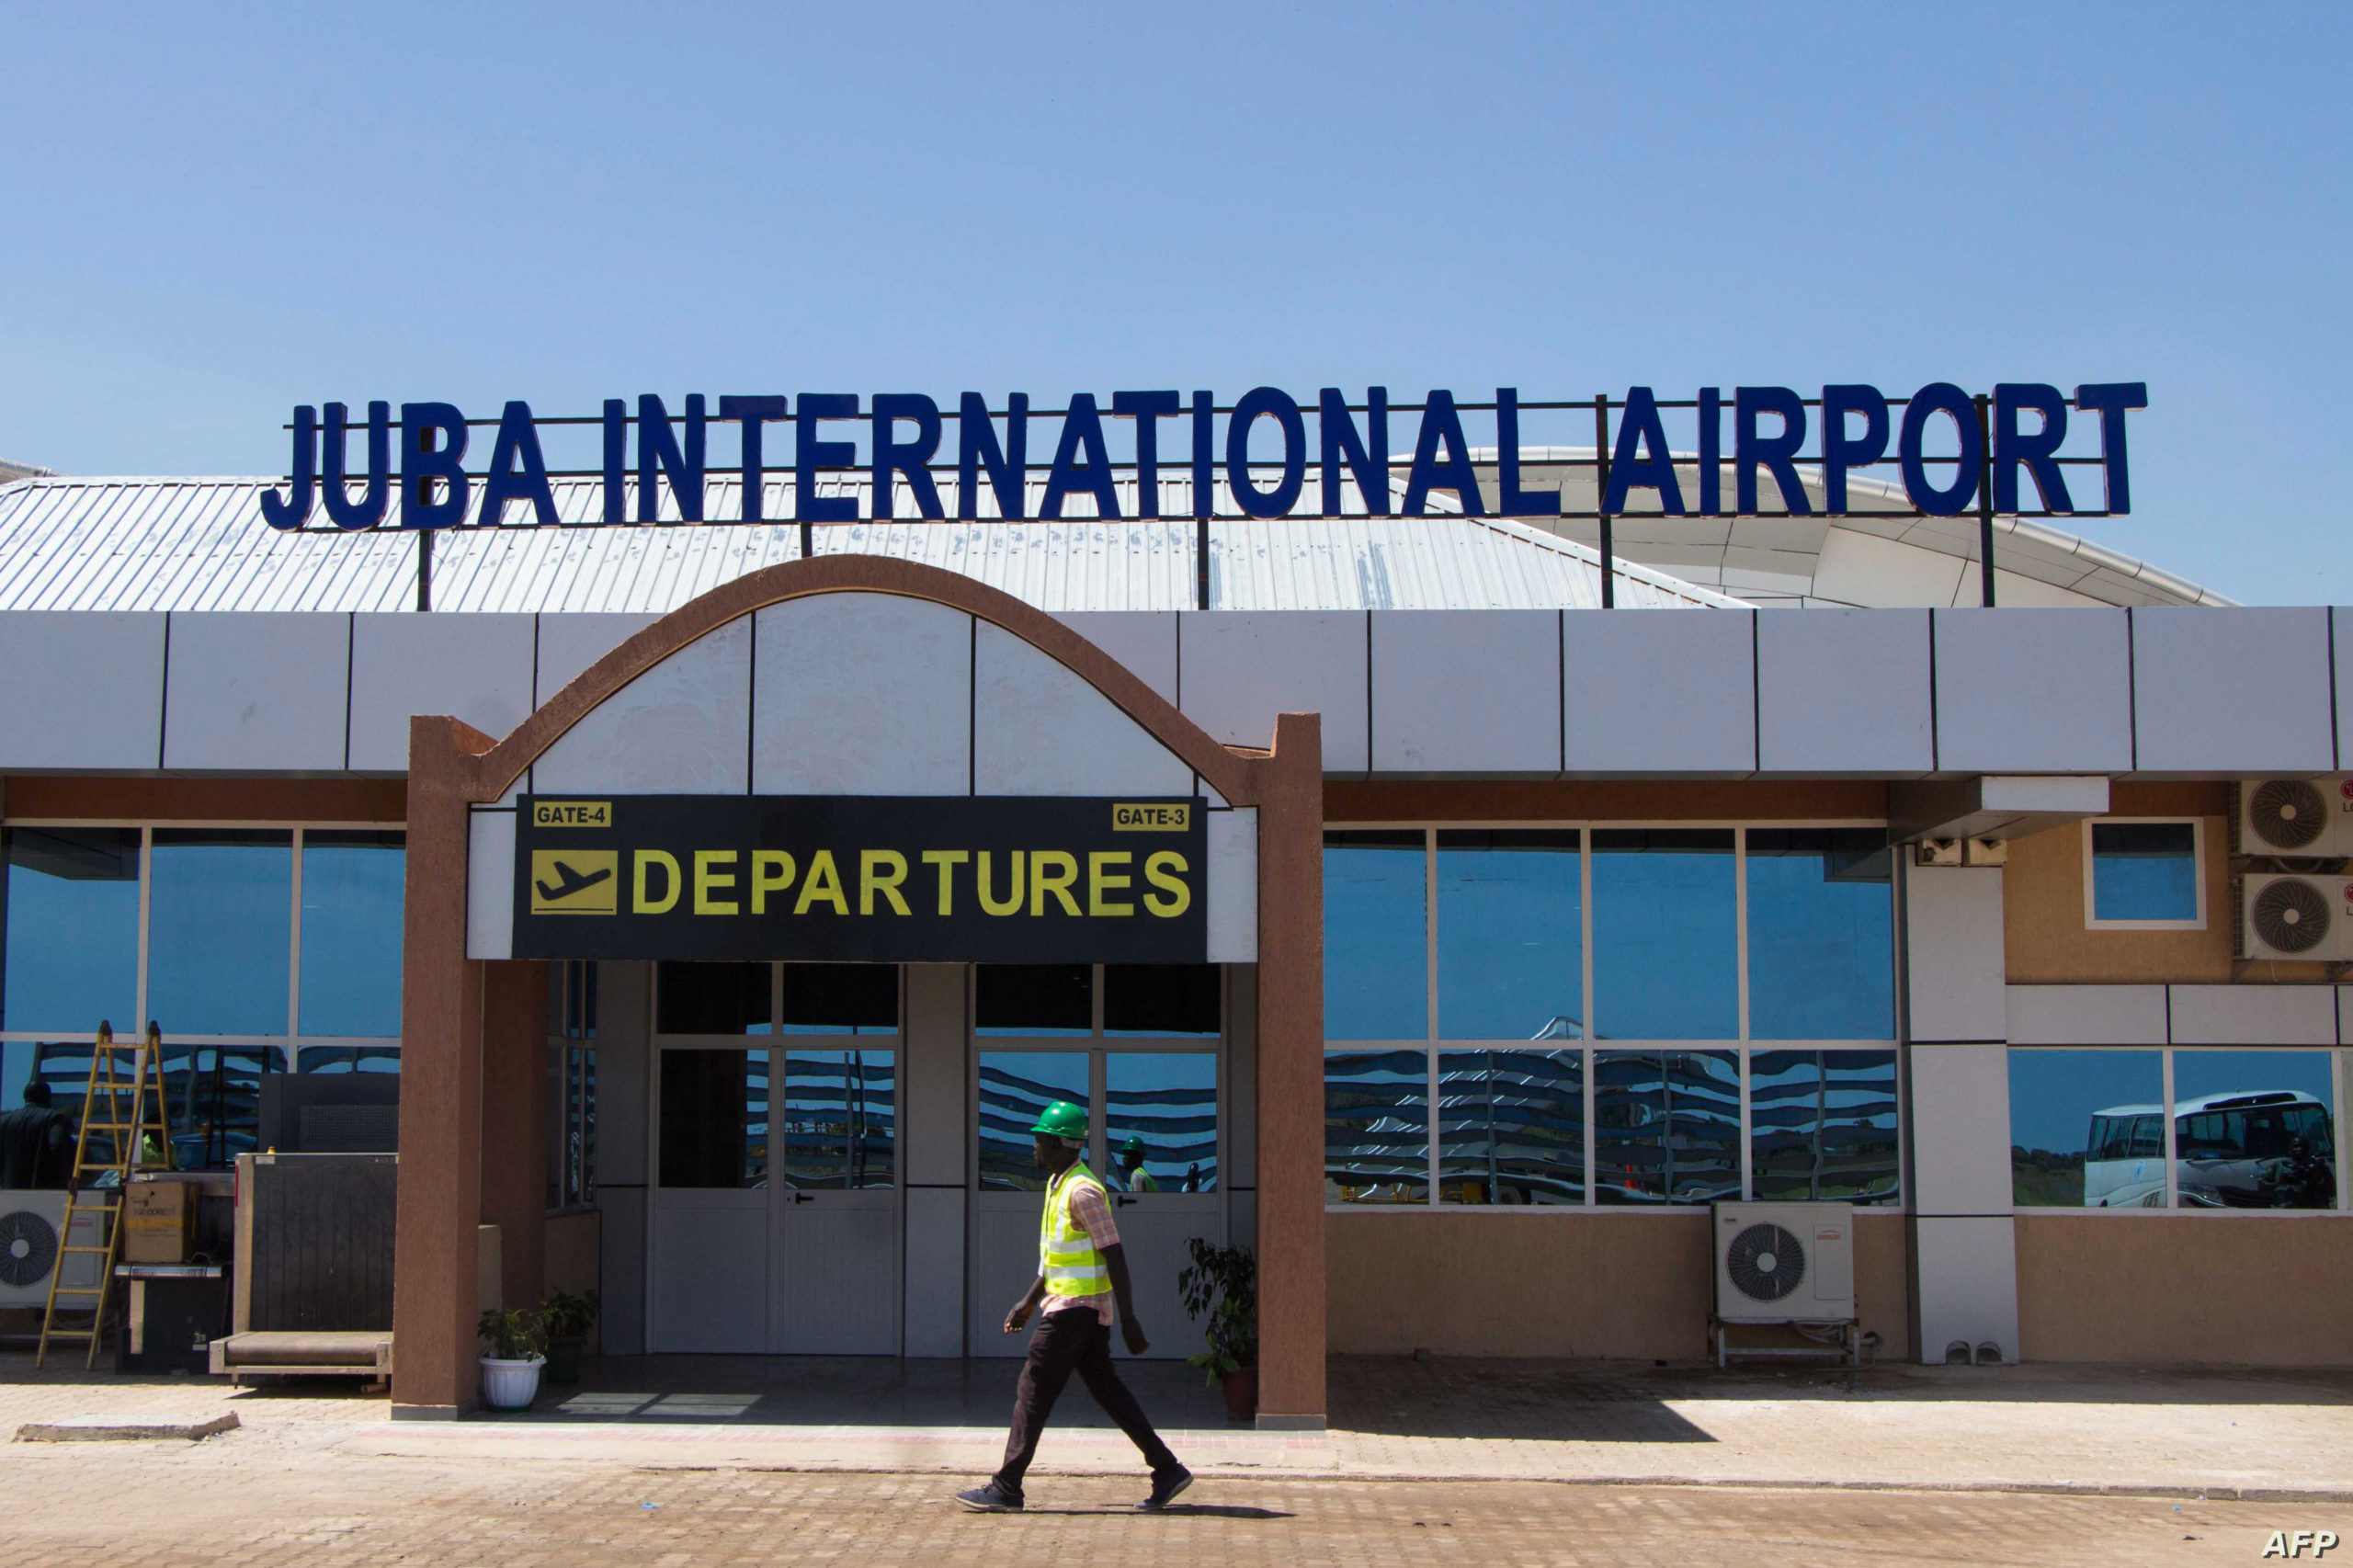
pixel 883 745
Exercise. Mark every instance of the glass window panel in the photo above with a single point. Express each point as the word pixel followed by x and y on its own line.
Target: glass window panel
pixel 1666 1126
pixel 711 999
pixel 840 998
pixel 840 1119
pixel 1161 998
pixel 2145 871
pixel 1160 1120
pixel 1376 1127
pixel 348 1059
pixel 1821 935
pixel 1015 1086
pixel 1510 952
pixel 2087 1128
pixel 73 930
pixel 351 932
pixel 1376 954
pixel 1822 1124
pixel 1511 1126
pixel 1034 999
pixel 1666 943
pixel 215 1094
pixel 220 930
pixel 714 1118
pixel 2255 1129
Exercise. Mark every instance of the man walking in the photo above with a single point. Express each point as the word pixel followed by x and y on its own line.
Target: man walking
pixel 1082 1285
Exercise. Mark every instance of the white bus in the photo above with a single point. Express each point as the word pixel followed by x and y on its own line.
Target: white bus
pixel 2247 1149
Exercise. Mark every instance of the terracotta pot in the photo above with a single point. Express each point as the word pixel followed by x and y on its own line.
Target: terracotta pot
pixel 1241 1388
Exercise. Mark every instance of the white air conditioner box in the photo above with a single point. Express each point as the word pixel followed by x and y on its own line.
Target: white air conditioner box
pixel 1785 1262
pixel 31 1236
pixel 2297 816
pixel 2296 917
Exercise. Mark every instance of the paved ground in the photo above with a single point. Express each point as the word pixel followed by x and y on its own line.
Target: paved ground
pixel 1443 1462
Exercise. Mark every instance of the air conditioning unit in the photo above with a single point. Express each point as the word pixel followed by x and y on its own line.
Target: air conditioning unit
pixel 2308 917
pixel 2310 817
pixel 31 1228
pixel 1785 1262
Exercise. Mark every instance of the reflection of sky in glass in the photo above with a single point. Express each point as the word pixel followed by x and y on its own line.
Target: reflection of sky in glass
pixel 2145 871
pixel 1376 963
pixel 2054 1092
pixel 1666 943
pixel 1169 1100
pixel 72 954
pixel 1376 1126
pixel 1822 1123
pixel 1509 952
pixel 1821 955
pixel 1015 1086
pixel 1511 1126
pixel 1666 1126
pixel 219 931
pixel 839 1121
pixel 351 933
pixel 2197 1072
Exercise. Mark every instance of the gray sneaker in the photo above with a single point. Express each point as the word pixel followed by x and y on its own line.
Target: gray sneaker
pixel 994 1499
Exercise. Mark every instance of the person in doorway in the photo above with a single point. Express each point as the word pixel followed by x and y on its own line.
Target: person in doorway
pixel 36 1143
pixel 1083 1286
pixel 1132 1175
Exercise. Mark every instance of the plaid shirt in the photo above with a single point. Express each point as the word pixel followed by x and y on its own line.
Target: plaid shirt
pixel 1091 1213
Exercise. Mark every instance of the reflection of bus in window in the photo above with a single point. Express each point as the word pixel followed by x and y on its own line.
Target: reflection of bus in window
pixel 2245 1149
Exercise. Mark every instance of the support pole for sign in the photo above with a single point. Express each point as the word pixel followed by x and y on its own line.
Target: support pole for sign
pixel 808 540
pixel 1601 493
pixel 423 568
pixel 1201 563
pixel 1985 506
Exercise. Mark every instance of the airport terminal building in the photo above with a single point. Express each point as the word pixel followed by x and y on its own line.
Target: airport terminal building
pixel 725 898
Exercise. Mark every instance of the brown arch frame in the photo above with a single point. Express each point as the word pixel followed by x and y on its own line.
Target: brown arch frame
pixel 472 1029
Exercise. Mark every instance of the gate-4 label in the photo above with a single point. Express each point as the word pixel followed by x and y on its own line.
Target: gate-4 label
pixel 862 878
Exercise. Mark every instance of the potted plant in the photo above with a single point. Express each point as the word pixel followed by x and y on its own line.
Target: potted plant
pixel 511 1359
pixel 1223 1281
pixel 564 1321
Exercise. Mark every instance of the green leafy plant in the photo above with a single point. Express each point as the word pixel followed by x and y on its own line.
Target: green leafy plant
pixel 514 1334
pixel 566 1316
pixel 1222 1282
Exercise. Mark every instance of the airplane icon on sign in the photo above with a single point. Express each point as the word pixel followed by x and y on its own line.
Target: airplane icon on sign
pixel 575 881
pixel 570 881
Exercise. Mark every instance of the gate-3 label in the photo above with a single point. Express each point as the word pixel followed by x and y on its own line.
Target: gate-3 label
pixel 861 878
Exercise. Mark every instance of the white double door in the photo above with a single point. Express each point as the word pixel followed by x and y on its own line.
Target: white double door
pixel 777 1271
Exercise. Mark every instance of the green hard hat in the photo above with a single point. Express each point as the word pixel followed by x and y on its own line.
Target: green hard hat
pixel 1132 1146
pixel 1062 1119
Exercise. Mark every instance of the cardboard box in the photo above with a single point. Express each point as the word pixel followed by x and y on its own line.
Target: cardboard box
pixel 156 1216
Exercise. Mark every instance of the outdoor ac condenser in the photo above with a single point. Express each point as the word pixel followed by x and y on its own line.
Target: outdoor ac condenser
pixel 2309 817
pixel 2308 917
pixel 31 1233
pixel 1785 1262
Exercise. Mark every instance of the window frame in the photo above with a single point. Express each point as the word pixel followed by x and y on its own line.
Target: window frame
pixel 2340 1067
pixel 2092 921
pixel 1742 1044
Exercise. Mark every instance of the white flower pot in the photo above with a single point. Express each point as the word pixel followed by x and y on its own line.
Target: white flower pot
pixel 510 1385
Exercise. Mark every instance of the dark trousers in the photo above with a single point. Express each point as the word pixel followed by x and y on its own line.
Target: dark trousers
pixel 1074 1340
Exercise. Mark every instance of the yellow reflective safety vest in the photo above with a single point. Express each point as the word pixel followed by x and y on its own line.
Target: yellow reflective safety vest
pixel 1067 1260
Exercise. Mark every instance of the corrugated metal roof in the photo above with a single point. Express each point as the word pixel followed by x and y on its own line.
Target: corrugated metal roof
pixel 200 544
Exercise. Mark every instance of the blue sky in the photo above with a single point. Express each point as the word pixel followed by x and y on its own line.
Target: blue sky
pixel 212 214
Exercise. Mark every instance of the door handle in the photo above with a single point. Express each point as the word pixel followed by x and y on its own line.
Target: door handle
pixel 803 1197
pixel 1122 1200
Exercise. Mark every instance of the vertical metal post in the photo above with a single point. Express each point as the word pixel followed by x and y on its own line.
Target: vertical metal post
pixel 423 568
pixel 1201 563
pixel 1600 496
pixel 808 540
pixel 1985 506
